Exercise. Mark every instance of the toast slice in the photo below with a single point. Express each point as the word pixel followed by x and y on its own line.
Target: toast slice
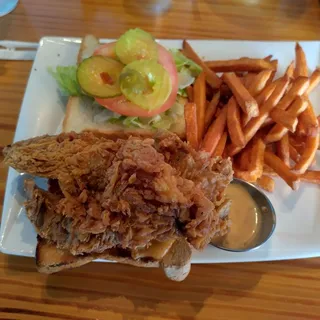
pixel 176 263
pixel 82 114
pixel 50 259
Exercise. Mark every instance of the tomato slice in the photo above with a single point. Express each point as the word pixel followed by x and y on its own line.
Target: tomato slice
pixel 123 106
pixel 106 50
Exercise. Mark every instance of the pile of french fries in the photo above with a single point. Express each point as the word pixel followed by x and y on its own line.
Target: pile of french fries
pixel 267 126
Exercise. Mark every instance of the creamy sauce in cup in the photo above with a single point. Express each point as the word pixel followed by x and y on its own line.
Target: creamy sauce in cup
pixel 245 216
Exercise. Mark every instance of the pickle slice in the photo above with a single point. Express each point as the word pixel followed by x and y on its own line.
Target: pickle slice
pixel 136 44
pixel 98 76
pixel 145 83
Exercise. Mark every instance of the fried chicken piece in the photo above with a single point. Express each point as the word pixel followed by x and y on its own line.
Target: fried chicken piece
pixel 122 193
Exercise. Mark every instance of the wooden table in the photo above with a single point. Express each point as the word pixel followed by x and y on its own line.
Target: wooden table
pixel 271 290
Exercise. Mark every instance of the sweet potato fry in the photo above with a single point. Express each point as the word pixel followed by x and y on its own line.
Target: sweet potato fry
pixel 274 70
pixel 199 97
pixel 299 143
pixel 257 157
pixel 311 177
pixel 248 176
pixel 268 171
pixel 220 146
pixel 271 147
pixel 245 119
pixel 247 103
pixel 294 154
pixel 190 93
pixel 290 70
pixel 211 110
pixel 247 79
pixel 190 115
pixel 268 58
pixel 218 111
pixel 283 150
pixel 298 88
pixel 301 69
pixel 281 169
pixel 261 134
pixel 298 106
pixel 244 158
pixel 254 124
pixel 242 64
pixel 258 82
pixel 309 121
pixel 234 125
pixel 267 122
pixel 250 162
pixel 300 131
pixel 278 131
pixel 313 81
pixel 256 86
pixel 215 132
pixel 213 80
pixel 284 118
pixel 265 183
pixel 308 155
pixel 264 95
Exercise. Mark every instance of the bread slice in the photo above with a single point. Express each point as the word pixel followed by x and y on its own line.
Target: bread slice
pixel 176 263
pixel 50 259
pixel 82 114
pixel 88 44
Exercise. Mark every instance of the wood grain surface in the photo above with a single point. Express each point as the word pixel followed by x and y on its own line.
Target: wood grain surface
pixel 270 290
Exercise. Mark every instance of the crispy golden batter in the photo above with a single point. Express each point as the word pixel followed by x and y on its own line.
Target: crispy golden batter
pixel 121 193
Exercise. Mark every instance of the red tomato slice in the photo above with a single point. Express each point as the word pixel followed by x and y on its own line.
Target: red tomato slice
pixel 125 107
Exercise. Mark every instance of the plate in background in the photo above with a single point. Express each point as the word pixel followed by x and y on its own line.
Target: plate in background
pixel 297 234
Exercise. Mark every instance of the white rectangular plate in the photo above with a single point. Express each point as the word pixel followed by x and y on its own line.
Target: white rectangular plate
pixel 297 233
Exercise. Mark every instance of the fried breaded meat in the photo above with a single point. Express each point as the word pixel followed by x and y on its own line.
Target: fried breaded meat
pixel 105 193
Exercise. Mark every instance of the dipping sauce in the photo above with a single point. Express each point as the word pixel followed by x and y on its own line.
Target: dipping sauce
pixel 245 219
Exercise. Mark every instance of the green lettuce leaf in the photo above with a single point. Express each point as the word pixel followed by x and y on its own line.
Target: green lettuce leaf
pixel 161 121
pixel 116 120
pixel 182 61
pixel 134 122
pixel 182 93
pixel 66 78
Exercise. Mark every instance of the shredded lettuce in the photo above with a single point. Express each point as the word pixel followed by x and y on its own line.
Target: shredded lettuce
pixel 127 121
pixel 66 78
pixel 161 121
pixel 182 93
pixel 182 61
pixel 164 123
pixel 116 119
pixel 134 122
pixel 185 78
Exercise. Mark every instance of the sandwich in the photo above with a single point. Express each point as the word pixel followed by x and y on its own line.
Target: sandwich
pixel 141 201
pixel 123 107
pixel 122 183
